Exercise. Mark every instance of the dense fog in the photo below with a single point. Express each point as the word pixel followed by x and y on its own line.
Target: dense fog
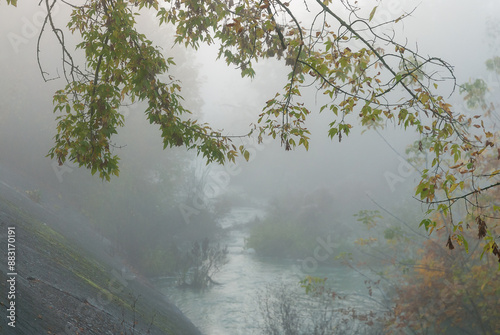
pixel 257 223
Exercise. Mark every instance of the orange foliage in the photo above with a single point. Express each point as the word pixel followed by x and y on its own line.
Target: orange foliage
pixel 449 294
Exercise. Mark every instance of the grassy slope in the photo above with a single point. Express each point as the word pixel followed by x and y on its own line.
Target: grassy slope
pixel 64 288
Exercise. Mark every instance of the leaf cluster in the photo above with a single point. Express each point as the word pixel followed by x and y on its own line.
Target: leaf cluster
pixel 341 57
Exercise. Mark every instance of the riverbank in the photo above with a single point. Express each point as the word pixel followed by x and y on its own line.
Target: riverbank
pixel 61 279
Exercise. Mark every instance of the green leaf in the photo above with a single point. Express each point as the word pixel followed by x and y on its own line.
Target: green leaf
pixel 372 13
pixel 427 223
pixel 463 241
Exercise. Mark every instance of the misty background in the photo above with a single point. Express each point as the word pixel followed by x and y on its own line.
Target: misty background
pixel 458 32
pixel 164 200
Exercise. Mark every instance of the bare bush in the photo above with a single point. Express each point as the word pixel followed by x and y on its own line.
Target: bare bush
pixel 285 310
pixel 200 263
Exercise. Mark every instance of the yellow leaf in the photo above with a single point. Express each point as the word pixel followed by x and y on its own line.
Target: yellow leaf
pixel 424 98
pixel 494 173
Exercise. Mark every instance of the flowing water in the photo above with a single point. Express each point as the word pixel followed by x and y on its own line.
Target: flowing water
pixel 232 308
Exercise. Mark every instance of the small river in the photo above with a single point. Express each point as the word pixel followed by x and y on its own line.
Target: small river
pixel 232 308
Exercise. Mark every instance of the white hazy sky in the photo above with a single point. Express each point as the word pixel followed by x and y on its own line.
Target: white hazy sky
pixel 450 29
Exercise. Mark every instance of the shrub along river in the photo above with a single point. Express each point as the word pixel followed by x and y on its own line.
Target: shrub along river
pixel 233 306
